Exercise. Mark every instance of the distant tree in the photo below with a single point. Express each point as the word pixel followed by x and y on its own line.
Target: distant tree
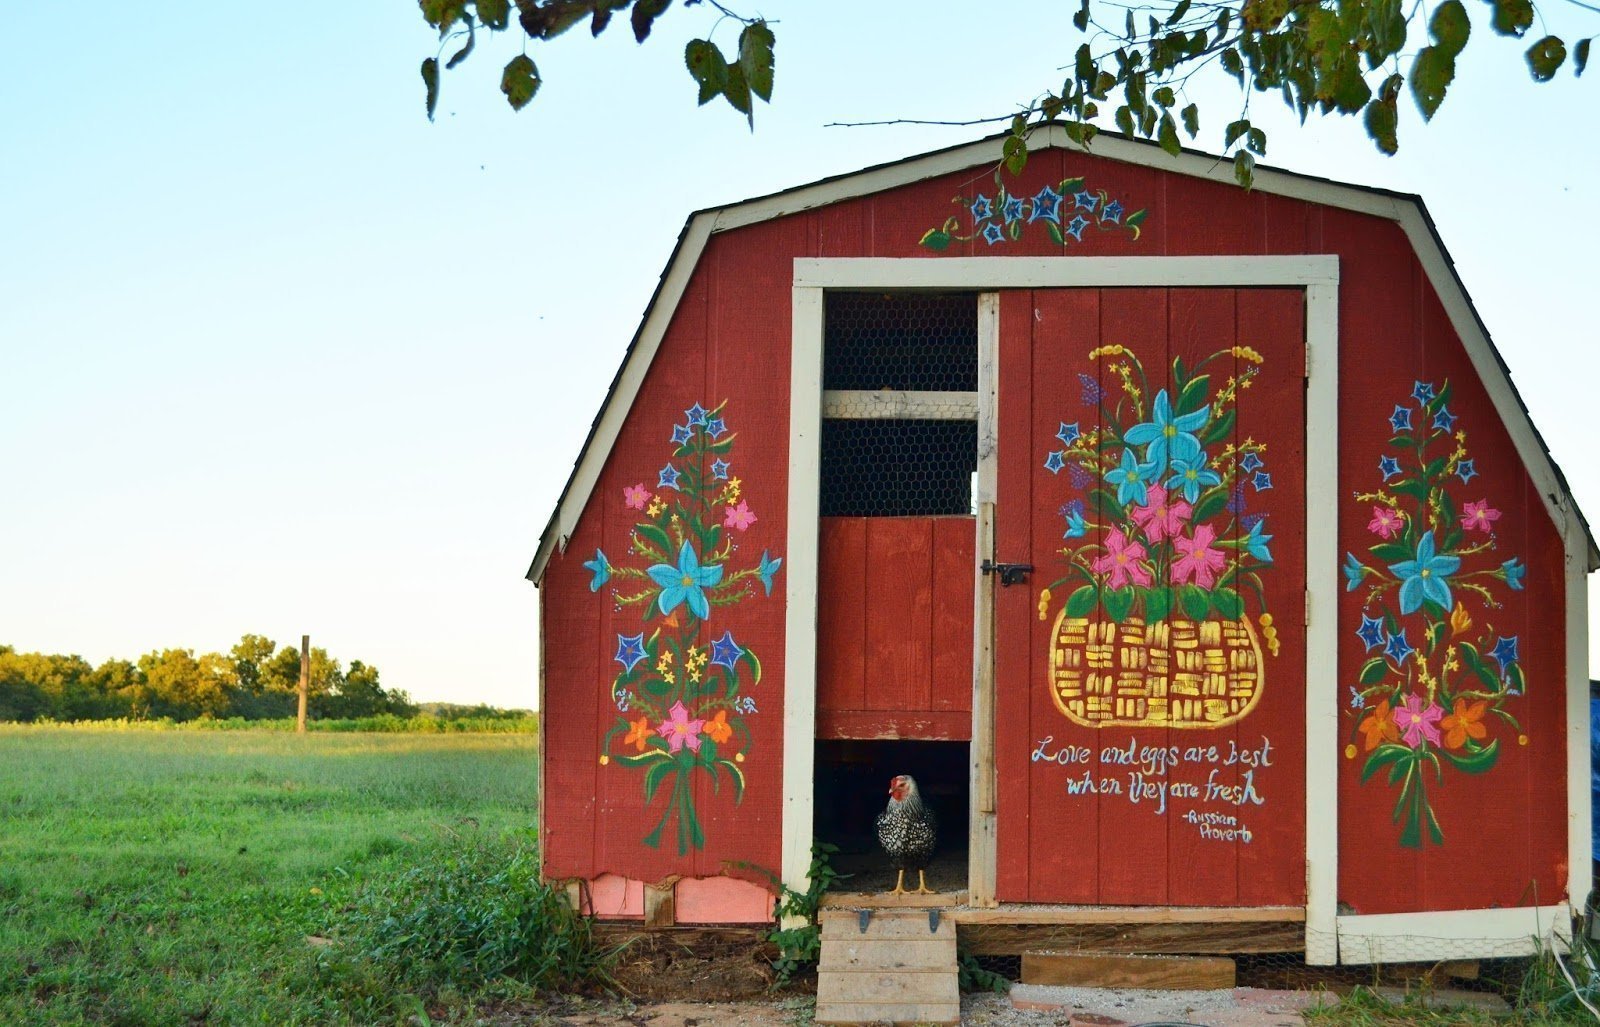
pixel 359 694
pixel 41 686
pixel 117 684
pixel 183 687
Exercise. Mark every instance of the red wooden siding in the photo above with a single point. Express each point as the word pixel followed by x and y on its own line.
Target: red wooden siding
pixel 894 627
pixel 1505 831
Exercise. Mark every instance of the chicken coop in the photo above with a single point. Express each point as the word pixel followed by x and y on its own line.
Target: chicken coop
pixel 1189 545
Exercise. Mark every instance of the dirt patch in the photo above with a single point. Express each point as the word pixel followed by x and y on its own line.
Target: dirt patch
pixel 710 966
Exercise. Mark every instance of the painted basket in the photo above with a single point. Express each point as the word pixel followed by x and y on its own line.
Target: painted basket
pixel 1173 673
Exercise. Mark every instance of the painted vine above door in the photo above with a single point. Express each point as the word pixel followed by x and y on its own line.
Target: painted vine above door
pixel 1066 210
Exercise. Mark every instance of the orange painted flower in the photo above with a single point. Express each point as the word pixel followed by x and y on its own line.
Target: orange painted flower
pixel 718 729
pixel 639 734
pixel 1459 621
pixel 1466 722
pixel 1380 726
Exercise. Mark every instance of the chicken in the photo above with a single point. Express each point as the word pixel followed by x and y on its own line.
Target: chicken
pixel 908 831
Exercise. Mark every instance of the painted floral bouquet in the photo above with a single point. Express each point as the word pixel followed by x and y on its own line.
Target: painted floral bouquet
pixel 1161 526
pixel 1428 692
pixel 1066 210
pixel 680 693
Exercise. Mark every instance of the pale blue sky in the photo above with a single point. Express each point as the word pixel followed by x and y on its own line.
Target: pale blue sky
pixel 280 356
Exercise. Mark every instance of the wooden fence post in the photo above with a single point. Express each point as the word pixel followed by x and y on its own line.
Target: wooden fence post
pixel 305 679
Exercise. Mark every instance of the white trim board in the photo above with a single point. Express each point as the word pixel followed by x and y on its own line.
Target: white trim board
pixel 1453 934
pixel 1406 210
pixel 1318 275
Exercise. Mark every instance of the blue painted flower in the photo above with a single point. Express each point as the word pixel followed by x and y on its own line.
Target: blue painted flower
pixel 668 478
pixel 1130 478
pixel 1068 433
pixel 630 650
pixel 1192 476
pixel 1076 528
pixel 1262 481
pixel 685 583
pixel 1513 571
pixel 716 426
pixel 725 652
pixel 1091 389
pixel 1389 467
pixel 767 569
pixel 1353 571
pixel 1053 461
pixel 1047 205
pixel 1075 229
pixel 1397 648
pixel 1251 462
pixel 601 569
pixel 1255 543
pixel 1400 420
pixel 982 208
pixel 696 414
pixel 1426 577
pixel 1422 391
pixel 1371 632
pixel 992 233
pixel 1357 700
pixel 719 470
pixel 1444 420
pixel 1466 470
pixel 1505 650
pixel 1012 210
pixel 1169 438
pixel 1086 201
pixel 1112 212
pixel 681 433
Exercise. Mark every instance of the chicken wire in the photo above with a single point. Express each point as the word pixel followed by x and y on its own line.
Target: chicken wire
pixel 916 341
pixel 897 468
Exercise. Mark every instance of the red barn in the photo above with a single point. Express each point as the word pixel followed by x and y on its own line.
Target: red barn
pixel 1191 546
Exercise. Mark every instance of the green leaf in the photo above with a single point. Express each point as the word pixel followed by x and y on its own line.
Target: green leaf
pixel 430 78
pixel 755 57
pixel 1054 230
pixel 441 13
pixel 1431 74
pixel 1392 552
pixel 1164 96
pixel 1515 680
pixel 1157 604
pixel 1450 26
pixel 707 67
pixel 1384 755
pixel 1177 13
pixel 656 535
pixel 1220 427
pixel 1580 57
pixel 1081 602
pixel 644 15
pixel 1191 114
pixel 1194 600
pixel 1227 602
pixel 935 240
pixel 1476 762
pixel 520 81
pixel 1545 57
pixel 1383 118
pixel 736 90
pixel 654 776
pixel 1014 151
pixel 1118 603
pixel 1194 393
pixel 1124 120
pixel 1168 136
pixel 1232 63
pixel 1256 141
pixel 657 688
pixel 1081 19
pixel 1373 671
pixel 1244 168
pixel 1512 17
pixel 495 14
pixel 1212 501
pixel 465 51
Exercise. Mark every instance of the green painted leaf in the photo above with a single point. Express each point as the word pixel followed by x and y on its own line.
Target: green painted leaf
pixel 1210 502
pixel 1383 756
pixel 1431 74
pixel 1118 603
pixel 1227 602
pixel 656 536
pixel 1373 670
pixel 1545 57
pixel 1157 604
pixel 1082 601
pixel 1476 762
pixel 1392 552
pixel 755 57
pixel 519 81
pixel 1194 600
pixel 1055 232
pixel 1515 680
pixel 1194 394
pixel 657 688
pixel 654 776
pixel 430 78
pixel 1218 428
pixel 936 240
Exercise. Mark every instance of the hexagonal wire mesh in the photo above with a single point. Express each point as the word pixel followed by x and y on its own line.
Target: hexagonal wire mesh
pixel 878 461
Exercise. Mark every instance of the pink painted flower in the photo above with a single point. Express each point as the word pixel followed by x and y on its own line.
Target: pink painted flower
pixel 739 516
pixel 1121 563
pixel 1159 517
pixel 680 731
pixel 636 496
pixel 1417 721
pixel 1385 521
pixel 1199 561
pixel 1479 516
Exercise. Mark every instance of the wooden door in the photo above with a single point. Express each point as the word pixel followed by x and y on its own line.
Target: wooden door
pixel 1150 675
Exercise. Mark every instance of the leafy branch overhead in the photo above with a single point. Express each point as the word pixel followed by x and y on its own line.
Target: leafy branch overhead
pixel 748 74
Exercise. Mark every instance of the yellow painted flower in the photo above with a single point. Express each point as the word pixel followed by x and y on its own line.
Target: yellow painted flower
pixel 1459 621
pixel 1350 752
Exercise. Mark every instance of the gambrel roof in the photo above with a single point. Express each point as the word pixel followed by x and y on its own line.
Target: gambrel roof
pixel 1403 208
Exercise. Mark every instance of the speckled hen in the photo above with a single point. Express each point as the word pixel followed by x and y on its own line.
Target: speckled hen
pixel 908 831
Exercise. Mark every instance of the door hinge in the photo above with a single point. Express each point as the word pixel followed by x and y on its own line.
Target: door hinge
pixel 1010 573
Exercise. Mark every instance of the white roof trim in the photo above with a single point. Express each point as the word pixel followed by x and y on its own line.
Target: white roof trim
pixel 1405 210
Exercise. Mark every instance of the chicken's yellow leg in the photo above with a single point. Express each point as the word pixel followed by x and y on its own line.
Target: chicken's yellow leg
pixel 922 884
pixel 899 883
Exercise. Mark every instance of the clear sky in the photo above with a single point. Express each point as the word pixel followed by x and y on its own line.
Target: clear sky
pixel 281 356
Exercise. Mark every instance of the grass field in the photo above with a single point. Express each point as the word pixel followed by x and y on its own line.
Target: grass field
pixel 192 877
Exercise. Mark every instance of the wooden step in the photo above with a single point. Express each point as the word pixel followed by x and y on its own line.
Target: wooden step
pixel 900 970
pixel 1121 970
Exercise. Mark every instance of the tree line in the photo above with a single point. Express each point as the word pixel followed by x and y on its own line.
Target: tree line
pixel 255 680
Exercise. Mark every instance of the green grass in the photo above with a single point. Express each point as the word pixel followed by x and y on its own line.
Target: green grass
pixel 176 877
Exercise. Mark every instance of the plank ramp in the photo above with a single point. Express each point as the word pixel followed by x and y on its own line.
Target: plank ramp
pixel 900 970
pixel 1121 970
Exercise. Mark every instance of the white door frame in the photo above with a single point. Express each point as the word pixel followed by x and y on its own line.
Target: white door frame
pixel 1317 275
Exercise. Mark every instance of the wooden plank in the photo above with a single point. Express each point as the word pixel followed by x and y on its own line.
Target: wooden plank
pixel 899 612
pixel 1192 939
pixel 954 552
pixel 841 615
pixel 889 987
pixel 659 908
pixel 939 725
pixel 908 956
pixel 1115 970
pixel 982 859
pixel 889 900
pixel 1016 914
pixel 869 1013
pixel 840 923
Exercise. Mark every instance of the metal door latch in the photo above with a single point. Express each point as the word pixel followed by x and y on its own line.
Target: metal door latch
pixel 1010 573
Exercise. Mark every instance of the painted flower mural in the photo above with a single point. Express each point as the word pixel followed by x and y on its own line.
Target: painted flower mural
pixel 1430 690
pixel 1160 539
pixel 1066 210
pixel 679 694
